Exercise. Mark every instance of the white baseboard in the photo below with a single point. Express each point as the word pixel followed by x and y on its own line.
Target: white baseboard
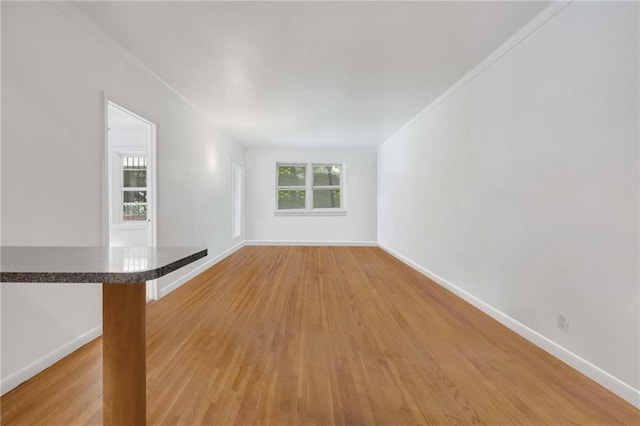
pixel 309 243
pixel 24 374
pixel 615 385
pixel 208 264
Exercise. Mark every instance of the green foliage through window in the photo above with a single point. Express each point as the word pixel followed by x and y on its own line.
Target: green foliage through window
pixel 292 175
pixel 291 199
pixel 324 187
pixel 134 212
pixel 326 198
pixel 326 175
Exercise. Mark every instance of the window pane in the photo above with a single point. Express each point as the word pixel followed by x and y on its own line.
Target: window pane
pixel 291 175
pixel 291 199
pixel 326 198
pixel 326 175
pixel 134 176
pixel 134 212
pixel 135 196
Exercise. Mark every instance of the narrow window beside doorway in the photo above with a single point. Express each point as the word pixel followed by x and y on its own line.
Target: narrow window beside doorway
pixel 134 188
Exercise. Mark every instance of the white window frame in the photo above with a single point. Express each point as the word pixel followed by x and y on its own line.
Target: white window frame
pixel 308 188
pixel 123 190
pixel 116 189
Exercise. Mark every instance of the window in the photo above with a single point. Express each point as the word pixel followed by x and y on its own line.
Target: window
pixel 134 188
pixel 237 199
pixel 309 188
pixel 292 186
pixel 326 186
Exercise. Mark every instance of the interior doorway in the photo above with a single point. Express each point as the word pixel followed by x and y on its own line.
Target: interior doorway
pixel 131 182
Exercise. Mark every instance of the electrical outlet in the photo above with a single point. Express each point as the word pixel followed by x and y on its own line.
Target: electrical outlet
pixel 563 322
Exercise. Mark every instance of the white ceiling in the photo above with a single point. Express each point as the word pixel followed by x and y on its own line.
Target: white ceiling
pixel 321 74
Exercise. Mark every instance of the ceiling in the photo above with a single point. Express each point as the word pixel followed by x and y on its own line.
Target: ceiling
pixel 310 74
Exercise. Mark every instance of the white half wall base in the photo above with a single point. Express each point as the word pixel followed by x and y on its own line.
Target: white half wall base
pixel 615 385
pixel 24 374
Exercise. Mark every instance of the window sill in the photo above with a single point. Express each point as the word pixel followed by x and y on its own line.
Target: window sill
pixel 316 212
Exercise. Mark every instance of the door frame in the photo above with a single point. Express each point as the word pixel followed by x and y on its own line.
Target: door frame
pixel 152 286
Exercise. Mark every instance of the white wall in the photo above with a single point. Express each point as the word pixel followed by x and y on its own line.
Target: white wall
pixel 522 187
pixel 54 71
pixel 359 224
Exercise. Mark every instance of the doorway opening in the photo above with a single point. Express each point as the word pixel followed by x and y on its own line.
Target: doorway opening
pixel 131 182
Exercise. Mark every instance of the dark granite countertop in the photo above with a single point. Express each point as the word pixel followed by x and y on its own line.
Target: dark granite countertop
pixel 92 264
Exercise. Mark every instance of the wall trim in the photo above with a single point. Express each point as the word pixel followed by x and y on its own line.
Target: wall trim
pixel 615 385
pixel 310 243
pixel 45 361
pixel 196 271
pixel 547 14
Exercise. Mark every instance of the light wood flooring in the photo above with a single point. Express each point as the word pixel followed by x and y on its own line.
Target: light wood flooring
pixel 323 336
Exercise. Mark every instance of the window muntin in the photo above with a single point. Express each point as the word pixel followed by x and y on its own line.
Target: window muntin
pixel 309 187
pixel 134 188
pixel 291 199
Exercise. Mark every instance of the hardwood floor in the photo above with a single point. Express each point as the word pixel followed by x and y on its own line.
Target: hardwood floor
pixel 320 336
